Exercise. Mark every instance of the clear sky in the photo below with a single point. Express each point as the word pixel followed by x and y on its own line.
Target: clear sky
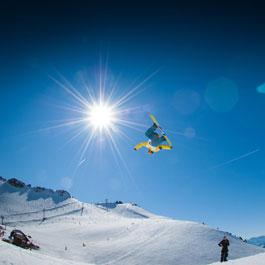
pixel 206 91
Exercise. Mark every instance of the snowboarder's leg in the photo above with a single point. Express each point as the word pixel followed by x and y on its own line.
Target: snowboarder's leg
pixel 150 133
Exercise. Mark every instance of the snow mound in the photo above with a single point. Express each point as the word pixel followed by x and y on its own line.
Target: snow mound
pixel 130 210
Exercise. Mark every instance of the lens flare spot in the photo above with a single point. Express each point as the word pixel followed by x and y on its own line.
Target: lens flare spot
pixel 66 183
pixel 221 95
pixel 189 133
pixel 186 101
pixel 261 89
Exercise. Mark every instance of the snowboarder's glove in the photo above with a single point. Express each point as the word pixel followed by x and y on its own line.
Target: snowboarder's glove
pixel 134 149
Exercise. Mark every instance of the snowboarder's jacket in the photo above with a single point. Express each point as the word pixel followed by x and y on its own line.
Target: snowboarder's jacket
pixel 224 244
pixel 155 141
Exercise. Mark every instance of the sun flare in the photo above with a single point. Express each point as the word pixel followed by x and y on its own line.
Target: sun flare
pixel 101 116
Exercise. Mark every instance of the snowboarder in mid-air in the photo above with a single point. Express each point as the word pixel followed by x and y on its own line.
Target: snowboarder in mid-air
pixel 224 251
pixel 155 143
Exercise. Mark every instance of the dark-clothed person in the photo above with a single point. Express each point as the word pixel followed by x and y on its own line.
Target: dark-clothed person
pixel 224 251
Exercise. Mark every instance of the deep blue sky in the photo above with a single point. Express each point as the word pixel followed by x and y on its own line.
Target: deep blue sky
pixel 210 59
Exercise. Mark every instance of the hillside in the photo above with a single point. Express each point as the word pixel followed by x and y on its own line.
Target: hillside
pixel 81 233
pixel 257 241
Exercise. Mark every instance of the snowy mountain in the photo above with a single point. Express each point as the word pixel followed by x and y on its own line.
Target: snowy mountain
pixel 72 232
pixel 16 196
pixel 257 241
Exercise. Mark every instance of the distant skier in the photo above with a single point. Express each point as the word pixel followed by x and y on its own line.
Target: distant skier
pixel 155 141
pixel 224 251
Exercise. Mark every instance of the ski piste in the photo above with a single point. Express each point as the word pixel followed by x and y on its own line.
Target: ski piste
pixel 160 128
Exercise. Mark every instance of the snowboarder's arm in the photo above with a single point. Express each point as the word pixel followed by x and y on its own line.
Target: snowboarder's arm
pixel 140 145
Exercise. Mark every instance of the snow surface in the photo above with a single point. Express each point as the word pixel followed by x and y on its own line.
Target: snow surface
pixel 12 255
pixel 124 234
pixel 252 260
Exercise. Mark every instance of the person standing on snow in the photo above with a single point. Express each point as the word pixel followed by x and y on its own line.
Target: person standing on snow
pixel 224 251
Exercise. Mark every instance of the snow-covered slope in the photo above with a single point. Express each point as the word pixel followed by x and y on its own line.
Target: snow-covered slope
pixel 12 255
pixel 252 260
pixel 257 241
pixel 78 233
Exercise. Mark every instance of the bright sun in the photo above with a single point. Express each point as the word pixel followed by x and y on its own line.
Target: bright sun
pixel 101 113
pixel 101 116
